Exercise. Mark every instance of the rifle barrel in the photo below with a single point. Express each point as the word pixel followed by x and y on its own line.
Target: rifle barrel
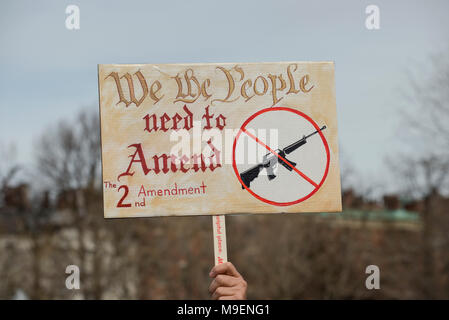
pixel 300 142
pixel 321 129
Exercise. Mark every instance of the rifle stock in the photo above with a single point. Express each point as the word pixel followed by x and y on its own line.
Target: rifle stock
pixel 250 174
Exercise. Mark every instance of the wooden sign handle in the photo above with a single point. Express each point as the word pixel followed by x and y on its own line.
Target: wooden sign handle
pixel 220 251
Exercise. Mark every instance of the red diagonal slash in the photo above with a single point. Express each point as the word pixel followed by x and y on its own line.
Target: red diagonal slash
pixel 280 157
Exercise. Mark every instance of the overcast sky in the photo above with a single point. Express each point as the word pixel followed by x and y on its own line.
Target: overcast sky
pixel 49 72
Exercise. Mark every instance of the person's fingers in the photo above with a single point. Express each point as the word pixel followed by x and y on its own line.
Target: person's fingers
pixel 224 268
pixel 227 298
pixel 223 291
pixel 228 283
pixel 223 280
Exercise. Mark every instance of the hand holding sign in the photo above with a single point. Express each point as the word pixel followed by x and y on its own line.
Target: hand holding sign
pixel 228 283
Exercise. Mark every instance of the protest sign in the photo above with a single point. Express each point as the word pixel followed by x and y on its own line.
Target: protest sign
pixel 218 138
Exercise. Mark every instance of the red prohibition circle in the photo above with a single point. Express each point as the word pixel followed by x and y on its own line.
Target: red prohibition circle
pixel 323 139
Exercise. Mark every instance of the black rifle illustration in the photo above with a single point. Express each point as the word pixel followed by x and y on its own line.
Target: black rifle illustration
pixel 270 159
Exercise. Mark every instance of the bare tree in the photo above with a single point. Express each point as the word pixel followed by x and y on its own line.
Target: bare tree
pixel 421 175
pixel 424 170
pixel 68 157
pixel 69 154
pixel 8 167
pixel 427 112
